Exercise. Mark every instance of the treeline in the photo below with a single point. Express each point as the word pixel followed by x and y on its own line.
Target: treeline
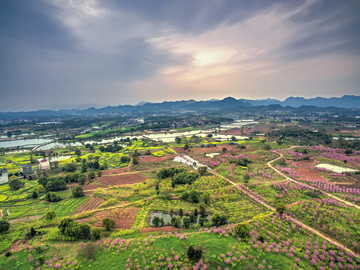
pixel 301 136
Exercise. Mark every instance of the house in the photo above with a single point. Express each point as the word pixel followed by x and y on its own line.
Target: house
pixel 26 169
pixel 44 164
pixel 3 176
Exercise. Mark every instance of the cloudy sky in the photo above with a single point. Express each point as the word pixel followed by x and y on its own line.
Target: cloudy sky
pixel 77 53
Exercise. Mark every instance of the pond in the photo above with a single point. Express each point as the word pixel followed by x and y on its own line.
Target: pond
pixel 23 143
pixel 167 217
pixel 58 145
pixel 334 168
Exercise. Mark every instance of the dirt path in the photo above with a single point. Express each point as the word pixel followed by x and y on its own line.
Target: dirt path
pixel 269 164
pixel 1 213
pixel 22 219
pixel 290 218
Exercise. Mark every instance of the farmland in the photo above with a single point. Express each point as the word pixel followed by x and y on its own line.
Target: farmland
pixel 243 203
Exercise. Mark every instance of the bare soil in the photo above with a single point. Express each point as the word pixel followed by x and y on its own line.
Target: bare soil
pixel 124 217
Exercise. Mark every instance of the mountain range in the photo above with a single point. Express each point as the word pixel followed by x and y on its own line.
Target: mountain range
pixel 227 105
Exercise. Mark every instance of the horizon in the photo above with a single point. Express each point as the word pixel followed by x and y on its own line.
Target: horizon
pixel 78 54
pixel 85 107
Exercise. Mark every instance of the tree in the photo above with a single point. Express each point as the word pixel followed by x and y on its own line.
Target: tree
pixel 135 160
pixel 82 179
pixel 178 139
pixel 50 215
pixel 4 226
pixel 9 134
pixel 52 197
pixel 156 221
pixel 280 208
pixel 40 189
pixel 202 170
pixel 186 222
pixel 246 178
pixel 91 175
pixel 202 221
pixel 99 173
pixel 177 223
pixel 224 150
pixel 15 184
pixel 194 254
pixel 233 138
pixel 78 152
pixel 193 218
pixel 202 210
pixel 77 192
pixel 34 195
pixel 242 230
pixel 55 185
pixel 84 167
pixel 108 223
pixel 186 147
pixel 181 212
pixel 124 159
pixel 64 224
pixel 218 220
pixel 348 152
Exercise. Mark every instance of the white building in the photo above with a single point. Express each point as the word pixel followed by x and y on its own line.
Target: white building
pixel 3 176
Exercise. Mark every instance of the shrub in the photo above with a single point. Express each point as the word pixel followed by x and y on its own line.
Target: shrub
pixel 242 230
pixel 280 208
pixel 194 254
pixel 8 253
pixel 89 251
pixel 96 233
pixel 202 170
pixel 186 222
pixel 40 189
pixel 108 223
pixel 4 226
pixel 50 215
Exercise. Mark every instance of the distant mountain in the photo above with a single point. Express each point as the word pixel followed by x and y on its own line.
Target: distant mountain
pixel 228 104
pixel 347 101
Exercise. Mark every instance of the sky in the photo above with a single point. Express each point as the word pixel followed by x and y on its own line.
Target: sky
pixel 78 53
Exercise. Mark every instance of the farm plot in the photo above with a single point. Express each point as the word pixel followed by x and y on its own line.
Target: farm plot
pixel 120 180
pixel 285 192
pixel 91 204
pixel 124 217
pixel 332 218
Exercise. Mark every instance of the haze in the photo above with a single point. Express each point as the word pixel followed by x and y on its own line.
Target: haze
pixel 76 53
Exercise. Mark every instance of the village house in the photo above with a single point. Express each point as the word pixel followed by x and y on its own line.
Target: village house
pixel 26 169
pixel 44 164
pixel 3 176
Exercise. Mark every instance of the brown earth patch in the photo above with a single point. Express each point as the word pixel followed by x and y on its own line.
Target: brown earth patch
pixel 306 173
pixel 151 158
pixel 160 229
pixel 91 204
pixel 121 180
pixel 116 171
pixel 124 217
pixel 17 245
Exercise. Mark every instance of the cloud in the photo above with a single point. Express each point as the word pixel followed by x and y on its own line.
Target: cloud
pixel 117 52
